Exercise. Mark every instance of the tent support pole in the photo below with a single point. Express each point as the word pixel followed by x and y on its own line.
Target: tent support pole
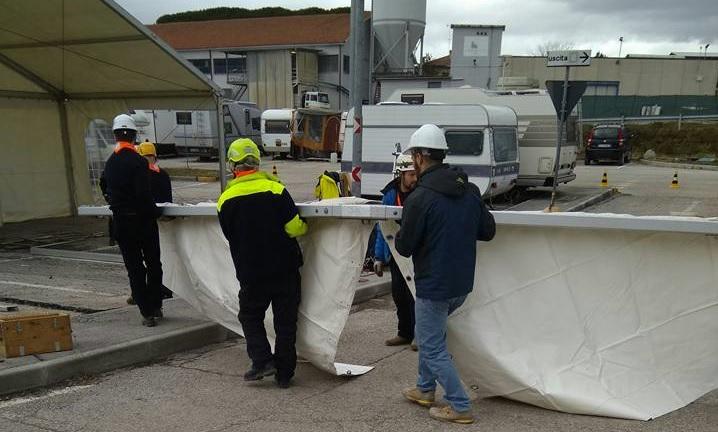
pixel 221 148
pixel 67 150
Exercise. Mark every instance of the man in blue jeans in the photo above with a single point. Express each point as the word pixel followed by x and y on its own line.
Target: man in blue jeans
pixel 442 220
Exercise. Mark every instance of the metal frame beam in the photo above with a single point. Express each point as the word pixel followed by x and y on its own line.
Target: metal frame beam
pixel 375 212
pixel 75 42
pixel 141 95
pixel 25 95
pixel 31 76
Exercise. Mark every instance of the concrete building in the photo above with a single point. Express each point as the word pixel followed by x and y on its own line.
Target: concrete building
pixel 476 54
pixel 634 75
pixel 271 61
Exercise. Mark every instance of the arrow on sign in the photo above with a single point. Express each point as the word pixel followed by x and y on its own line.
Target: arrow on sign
pixel 357 125
pixel 356 174
pixel 584 57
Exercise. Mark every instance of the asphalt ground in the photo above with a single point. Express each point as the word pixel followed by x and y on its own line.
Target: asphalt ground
pixel 202 390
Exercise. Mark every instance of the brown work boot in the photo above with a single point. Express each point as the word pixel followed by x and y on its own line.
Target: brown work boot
pixel 425 399
pixel 447 414
pixel 396 341
pixel 413 346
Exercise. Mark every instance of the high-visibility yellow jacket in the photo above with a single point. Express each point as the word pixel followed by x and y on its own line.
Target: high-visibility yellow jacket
pixel 326 188
pixel 261 222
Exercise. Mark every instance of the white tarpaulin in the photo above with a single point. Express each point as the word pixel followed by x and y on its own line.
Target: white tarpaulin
pixel 604 322
pixel 592 314
pixel 197 265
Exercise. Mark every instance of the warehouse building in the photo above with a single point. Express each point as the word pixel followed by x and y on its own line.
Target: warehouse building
pixel 271 61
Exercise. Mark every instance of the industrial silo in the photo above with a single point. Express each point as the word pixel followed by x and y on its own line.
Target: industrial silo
pixel 397 26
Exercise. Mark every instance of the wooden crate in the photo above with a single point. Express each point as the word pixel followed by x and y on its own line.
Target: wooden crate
pixel 27 334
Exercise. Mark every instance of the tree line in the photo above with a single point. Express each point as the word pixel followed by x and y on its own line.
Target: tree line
pixel 220 13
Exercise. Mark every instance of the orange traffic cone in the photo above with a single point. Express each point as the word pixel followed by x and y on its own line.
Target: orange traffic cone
pixel 604 180
pixel 674 183
pixel 274 170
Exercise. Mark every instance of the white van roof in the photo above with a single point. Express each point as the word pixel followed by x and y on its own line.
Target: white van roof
pixel 440 114
pixel 277 114
pixel 525 104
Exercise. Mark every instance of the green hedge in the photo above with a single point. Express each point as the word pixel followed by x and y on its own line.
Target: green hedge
pixel 221 13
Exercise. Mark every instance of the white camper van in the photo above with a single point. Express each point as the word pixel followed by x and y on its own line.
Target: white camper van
pixel 277 130
pixel 482 141
pixel 537 127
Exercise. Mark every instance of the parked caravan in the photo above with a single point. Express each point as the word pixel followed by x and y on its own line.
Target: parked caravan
pixel 482 139
pixel 537 127
pixel 277 125
pixel 195 132
pixel 316 133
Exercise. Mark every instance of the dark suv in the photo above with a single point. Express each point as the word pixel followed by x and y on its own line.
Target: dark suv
pixel 608 142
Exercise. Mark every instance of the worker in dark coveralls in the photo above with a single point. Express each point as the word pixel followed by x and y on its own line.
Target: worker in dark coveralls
pixel 395 194
pixel 261 223
pixel 126 186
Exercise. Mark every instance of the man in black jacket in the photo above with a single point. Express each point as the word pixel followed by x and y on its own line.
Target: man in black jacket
pixel 126 185
pixel 441 222
pixel 261 223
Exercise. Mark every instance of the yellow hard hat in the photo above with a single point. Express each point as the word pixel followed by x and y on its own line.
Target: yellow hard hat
pixel 146 149
pixel 241 149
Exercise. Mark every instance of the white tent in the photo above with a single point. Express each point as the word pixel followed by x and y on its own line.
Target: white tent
pixel 64 63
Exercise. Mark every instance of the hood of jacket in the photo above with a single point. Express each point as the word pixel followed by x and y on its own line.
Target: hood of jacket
pixel 393 184
pixel 444 179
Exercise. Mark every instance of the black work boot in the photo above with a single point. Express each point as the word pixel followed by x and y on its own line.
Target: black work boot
pixel 157 314
pixel 149 321
pixel 282 383
pixel 256 374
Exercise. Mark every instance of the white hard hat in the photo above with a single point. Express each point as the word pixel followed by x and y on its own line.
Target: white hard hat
pixel 403 163
pixel 429 136
pixel 124 121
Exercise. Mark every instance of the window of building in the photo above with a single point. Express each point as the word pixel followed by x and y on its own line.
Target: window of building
pixel 601 88
pixel 465 143
pixel 434 84
pixel 201 64
pixel 328 63
pixel 413 98
pixel 505 145
pixel 346 65
pixel 323 98
pixel 184 118
pixel 237 64
pixel 220 66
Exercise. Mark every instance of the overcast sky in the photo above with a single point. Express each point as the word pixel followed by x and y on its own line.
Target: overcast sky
pixel 647 26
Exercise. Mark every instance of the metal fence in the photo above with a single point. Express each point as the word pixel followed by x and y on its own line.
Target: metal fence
pixel 650 108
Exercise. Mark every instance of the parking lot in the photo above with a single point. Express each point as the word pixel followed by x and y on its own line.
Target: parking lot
pixel 203 390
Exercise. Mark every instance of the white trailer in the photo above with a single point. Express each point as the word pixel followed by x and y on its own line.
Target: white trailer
pixel 482 139
pixel 277 125
pixel 537 127
pixel 194 133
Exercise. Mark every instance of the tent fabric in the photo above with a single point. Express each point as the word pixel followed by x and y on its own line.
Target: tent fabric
pixel 198 267
pixel 75 61
pixel 599 322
